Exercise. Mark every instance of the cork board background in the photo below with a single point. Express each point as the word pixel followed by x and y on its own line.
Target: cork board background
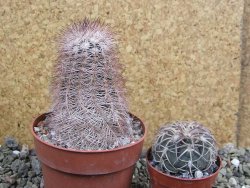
pixel 181 58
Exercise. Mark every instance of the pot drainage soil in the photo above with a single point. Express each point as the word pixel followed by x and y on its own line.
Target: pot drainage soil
pixel 20 168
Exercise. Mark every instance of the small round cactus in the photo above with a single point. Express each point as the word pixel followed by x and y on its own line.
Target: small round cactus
pixel 184 147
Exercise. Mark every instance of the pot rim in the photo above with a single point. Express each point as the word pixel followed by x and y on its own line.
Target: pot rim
pixel 184 179
pixel 39 118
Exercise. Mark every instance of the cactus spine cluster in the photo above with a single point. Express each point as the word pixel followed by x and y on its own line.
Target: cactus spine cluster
pixel 184 147
pixel 89 110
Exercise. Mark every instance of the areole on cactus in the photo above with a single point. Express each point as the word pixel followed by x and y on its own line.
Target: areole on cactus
pixel 89 110
pixel 184 147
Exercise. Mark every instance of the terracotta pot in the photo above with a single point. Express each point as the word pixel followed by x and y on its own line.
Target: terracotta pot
pixel 159 179
pixel 70 168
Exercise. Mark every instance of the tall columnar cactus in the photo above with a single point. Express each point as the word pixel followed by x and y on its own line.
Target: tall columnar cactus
pixel 184 147
pixel 89 110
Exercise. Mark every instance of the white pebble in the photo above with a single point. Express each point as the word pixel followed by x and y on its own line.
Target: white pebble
pixel 198 174
pixel 16 152
pixel 36 129
pixel 185 175
pixel 235 162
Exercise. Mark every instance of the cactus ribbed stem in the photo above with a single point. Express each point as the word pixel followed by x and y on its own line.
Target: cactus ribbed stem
pixel 184 147
pixel 89 109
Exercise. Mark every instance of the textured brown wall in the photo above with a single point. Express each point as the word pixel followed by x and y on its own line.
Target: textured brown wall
pixel 181 59
pixel 244 108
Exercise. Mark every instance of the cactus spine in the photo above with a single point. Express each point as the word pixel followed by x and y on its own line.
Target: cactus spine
pixel 89 110
pixel 184 147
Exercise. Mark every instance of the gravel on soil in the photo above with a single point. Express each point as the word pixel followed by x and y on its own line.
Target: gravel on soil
pixel 45 133
pixel 235 172
pixel 20 167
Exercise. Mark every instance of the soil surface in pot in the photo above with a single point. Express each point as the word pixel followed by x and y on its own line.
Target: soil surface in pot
pixel 201 174
pixel 48 135
pixel 20 168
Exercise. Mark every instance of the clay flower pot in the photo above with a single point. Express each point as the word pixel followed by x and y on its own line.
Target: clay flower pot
pixel 159 179
pixel 70 168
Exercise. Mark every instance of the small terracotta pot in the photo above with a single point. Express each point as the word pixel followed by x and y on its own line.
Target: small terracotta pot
pixel 70 168
pixel 159 179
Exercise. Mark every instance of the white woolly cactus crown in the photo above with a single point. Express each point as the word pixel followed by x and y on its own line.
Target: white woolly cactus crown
pixel 89 109
pixel 184 147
